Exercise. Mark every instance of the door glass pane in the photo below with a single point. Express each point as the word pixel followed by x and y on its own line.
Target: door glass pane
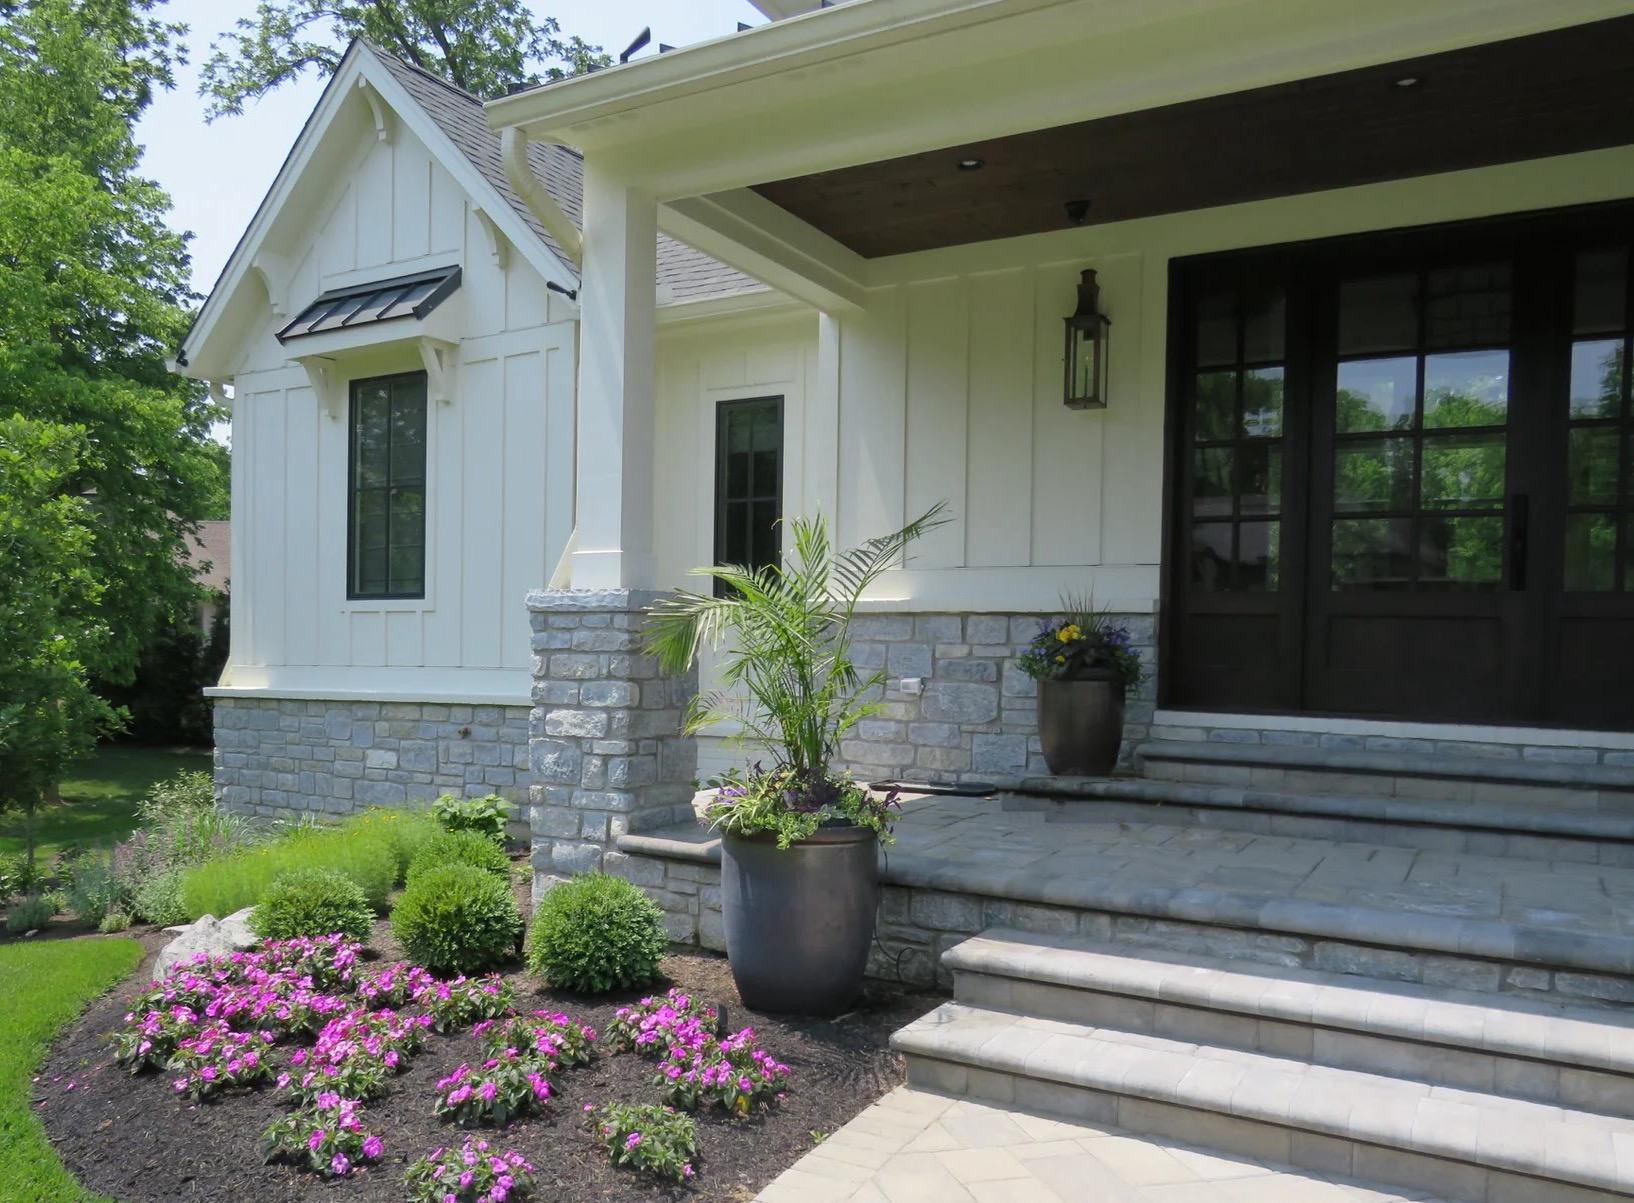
pixel 1211 482
pixel 1376 394
pixel 1265 322
pixel 1591 553
pixel 1597 378
pixel 1373 474
pixel 1211 556
pixel 1467 306
pixel 1591 465
pixel 1259 554
pixel 1262 403
pixel 1372 553
pixel 1463 472
pixel 1262 478
pixel 1469 388
pixel 1602 292
pixel 1216 330
pixel 1216 406
pixel 1378 316
pixel 1460 552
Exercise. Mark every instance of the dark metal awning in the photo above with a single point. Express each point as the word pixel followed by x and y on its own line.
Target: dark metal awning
pixel 382 301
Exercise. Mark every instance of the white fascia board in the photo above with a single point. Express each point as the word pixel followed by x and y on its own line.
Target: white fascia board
pixel 756 305
pixel 746 231
pixel 240 263
pixel 780 46
pixel 360 63
pixel 483 195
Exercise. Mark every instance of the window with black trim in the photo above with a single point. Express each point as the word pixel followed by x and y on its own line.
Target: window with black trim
pixel 748 481
pixel 386 527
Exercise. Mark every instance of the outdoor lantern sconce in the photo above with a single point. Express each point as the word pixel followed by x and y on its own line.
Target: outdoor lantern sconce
pixel 1087 331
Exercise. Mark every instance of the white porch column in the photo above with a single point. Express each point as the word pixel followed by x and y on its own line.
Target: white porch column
pixel 616 411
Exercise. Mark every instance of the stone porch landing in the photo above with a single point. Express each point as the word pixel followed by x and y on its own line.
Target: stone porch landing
pixel 1537 927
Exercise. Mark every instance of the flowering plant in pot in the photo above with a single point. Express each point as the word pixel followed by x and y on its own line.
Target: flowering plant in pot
pixel 1084 666
pixel 799 846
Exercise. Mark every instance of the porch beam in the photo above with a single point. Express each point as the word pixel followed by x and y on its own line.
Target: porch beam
pixel 746 231
pixel 617 328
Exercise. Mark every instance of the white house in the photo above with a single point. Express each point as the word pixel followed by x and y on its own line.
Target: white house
pixel 1359 469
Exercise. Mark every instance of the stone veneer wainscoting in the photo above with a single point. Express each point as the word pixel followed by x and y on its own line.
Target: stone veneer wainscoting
pixel 976 717
pixel 287 757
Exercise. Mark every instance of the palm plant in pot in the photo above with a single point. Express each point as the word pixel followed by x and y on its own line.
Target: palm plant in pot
pixel 799 841
pixel 1084 666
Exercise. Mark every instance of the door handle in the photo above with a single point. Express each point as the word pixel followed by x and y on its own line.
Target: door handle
pixel 1519 514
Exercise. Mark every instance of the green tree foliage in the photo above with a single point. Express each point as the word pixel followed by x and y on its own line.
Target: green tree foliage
pixel 107 456
pixel 487 47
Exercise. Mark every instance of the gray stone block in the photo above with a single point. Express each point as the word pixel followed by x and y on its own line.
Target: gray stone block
pixel 987 628
pixel 955 702
pixel 909 660
pixel 998 753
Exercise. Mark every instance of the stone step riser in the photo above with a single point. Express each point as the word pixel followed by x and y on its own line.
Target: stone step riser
pixel 1517 1077
pixel 1478 841
pixel 1399 785
pixel 1446 1179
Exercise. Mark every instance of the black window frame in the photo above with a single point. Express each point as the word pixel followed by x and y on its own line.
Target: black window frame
pixel 354 592
pixel 724 411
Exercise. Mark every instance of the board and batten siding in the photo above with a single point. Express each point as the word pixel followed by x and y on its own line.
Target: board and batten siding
pixel 500 462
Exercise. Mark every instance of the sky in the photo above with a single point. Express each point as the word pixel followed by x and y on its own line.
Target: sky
pixel 217 173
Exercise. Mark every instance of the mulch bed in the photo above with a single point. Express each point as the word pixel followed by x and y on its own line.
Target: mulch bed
pixel 133 1139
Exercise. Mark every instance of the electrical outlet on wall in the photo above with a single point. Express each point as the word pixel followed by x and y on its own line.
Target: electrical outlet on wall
pixel 913 685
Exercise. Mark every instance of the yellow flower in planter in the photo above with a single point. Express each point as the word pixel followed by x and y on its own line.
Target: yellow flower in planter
pixel 1069 632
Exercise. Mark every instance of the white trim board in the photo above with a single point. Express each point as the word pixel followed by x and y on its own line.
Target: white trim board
pixel 1554 737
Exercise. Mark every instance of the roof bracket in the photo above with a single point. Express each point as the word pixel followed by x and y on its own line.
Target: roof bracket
pixel 513 147
pixel 499 246
pixel 218 393
pixel 384 129
pixel 273 269
pixel 438 358
pixel 327 387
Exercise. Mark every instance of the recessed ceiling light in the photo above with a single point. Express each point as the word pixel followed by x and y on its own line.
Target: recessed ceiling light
pixel 1407 81
pixel 972 164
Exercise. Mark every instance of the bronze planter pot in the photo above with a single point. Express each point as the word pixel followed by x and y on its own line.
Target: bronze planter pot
pixel 1080 724
pixel 799 921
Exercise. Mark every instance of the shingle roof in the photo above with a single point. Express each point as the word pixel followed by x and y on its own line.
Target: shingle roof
pixel 684 274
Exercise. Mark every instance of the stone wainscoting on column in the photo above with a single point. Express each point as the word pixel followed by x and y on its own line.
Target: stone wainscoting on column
pixel 284 758
pixel 975 716
pixel 605 747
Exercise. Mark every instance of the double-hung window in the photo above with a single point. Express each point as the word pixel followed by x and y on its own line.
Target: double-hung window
pixel 386 527
pixel 748 481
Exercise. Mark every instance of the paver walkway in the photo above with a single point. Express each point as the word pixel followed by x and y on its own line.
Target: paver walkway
pixel 973 844
pixel 915 1147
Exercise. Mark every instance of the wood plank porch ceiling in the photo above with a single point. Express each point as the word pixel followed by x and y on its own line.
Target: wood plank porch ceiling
pixel 1553 93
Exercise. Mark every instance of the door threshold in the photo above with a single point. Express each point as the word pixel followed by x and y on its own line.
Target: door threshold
pixel 1471 733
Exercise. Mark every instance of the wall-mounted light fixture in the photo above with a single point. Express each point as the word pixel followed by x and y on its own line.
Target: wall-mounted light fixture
pixel 1087 331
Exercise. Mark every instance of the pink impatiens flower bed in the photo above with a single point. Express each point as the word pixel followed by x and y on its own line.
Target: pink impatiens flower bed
pixel 301 1014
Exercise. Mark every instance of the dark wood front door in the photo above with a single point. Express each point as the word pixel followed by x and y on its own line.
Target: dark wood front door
pixel 1402 471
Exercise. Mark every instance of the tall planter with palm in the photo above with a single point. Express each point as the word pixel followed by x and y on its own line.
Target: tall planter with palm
pixel 799 841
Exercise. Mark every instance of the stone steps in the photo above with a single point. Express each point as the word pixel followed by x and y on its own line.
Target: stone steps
pixel 1541 1052
pixel 1493 780
pixel 1475 826
pixel 1381 1083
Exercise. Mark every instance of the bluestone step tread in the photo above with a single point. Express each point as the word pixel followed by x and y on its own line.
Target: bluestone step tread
pixel 1511 818
pixel 1505 770
pixel 1594 1039
pixel 1500 1134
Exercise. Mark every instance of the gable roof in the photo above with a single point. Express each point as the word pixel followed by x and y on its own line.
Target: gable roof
pixel 687 274
pixel 451 124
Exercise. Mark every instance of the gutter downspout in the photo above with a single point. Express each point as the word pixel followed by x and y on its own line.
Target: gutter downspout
pixel 513 150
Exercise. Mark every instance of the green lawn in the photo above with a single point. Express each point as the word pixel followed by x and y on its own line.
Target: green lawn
pixel 99 799
pixel 42 988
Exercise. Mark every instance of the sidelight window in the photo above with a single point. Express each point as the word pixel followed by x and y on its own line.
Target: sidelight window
pixel 1599 538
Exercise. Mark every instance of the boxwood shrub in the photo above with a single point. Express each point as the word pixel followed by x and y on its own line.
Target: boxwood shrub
pixel 596 933
pixel 457 919
pixel 312 902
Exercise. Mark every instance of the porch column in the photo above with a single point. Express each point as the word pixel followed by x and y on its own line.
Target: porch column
pixel 616 413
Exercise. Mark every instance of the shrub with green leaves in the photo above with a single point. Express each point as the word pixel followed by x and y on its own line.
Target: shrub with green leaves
pixel 457 919
pixel 312 902
pixel 659 1140
pixel 461 848
pixel 486 816
pixel 364 851
pixel 596 933
pixel 17 876
pixel 92 888
pixel 114 922
pixel 180 826
pixel 28 914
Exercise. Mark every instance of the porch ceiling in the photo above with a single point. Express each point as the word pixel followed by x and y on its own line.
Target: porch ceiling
pixel 1557 92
